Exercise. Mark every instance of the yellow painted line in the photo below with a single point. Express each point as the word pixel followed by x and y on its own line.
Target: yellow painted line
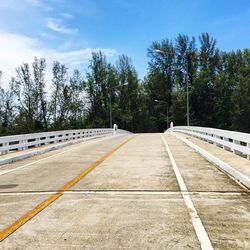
pixel 17 224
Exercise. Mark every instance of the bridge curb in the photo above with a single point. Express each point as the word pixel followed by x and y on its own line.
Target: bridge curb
pixel 217 162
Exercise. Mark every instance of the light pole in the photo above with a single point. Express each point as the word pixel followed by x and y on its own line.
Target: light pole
pixel 162 52
pixel 110 103
pixel 160 101
pixel 110 110
pixel 187 96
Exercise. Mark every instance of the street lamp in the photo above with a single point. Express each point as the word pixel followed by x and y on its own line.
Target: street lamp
pixel 162 52
pixel 187 96
pixel 160 101
pixel 110 104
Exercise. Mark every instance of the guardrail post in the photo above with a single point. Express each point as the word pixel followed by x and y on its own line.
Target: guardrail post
pixel 219 144
pixel 38 144
pixel 216 137
pixel 25 144
pixel 47 140
pixel 22 145
pixel 6 144
pixel 56 139
pixel 236 142
pixel 225 139
pixel 70 136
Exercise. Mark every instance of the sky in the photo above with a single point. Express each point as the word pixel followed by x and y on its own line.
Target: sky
pixel 69 30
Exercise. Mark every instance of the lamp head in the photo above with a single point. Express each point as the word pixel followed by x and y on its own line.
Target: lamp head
pixel 159 51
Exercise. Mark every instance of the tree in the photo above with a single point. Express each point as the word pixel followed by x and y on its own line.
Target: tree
pixel 203 90
pixel 24 89
pixel 39 67
pixel 163 62
pixel 218 84
pixel 157 89
pixel 161 80
pixel 222 101
pixel 128 93
pixel 186 71
pixel 186 61
pixel 241 108
pixel 77 103
pixel 209 54
pixel 178 109
pixel 241 98
pixel 7 112
pixel 97 89
pixel 59 95
pixel 29 89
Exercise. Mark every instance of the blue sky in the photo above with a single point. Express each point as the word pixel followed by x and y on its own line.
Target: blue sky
pixel 69 30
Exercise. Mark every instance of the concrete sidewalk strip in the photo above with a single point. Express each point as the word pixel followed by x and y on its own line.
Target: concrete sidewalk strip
pixel 240 173
pixel 20 155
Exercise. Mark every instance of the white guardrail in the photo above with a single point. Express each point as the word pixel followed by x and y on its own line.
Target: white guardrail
pixel 237 142
pixel 25 141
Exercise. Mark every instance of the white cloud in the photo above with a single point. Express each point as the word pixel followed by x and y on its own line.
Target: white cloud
pixel 66 15
pixel 16 49
pixel 56 25
pixel 39 4
pixel 65 46
pixel 48 35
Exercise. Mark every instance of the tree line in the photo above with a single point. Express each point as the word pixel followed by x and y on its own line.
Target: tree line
pixel 218 83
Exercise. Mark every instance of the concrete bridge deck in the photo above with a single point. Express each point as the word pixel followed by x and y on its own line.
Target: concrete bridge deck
pixel 122 192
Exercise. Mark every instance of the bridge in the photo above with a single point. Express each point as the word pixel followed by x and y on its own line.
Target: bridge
pixel 187 188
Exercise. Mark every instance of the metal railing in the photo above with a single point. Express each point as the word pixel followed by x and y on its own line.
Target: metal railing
pixel 237 142
pixel 25 141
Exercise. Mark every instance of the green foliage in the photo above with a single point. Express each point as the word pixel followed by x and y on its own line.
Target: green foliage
pixel 76 103
pixel 127 94
pixel 178 109
pixel 58 106
pixel 201 99
pixel 6 112
pixel 28 98
pixel 98 85
pixel 241 103
pixel 218 84
pixel 39 66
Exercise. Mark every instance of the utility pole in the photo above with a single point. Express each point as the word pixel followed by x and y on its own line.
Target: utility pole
pixel 187 96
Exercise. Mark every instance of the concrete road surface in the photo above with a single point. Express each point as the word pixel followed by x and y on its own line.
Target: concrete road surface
pixel 103 194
